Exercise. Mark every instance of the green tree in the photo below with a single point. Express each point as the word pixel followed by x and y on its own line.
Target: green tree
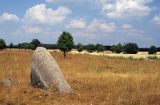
pixel 79 47
pixel 26 45
pixel 11 45
pixel 113 48
pixel 18 45
pixel 130 48
pixel 65 42
pixel 99 48
pixel 35 43
pixel 152 50
pixel 2 44
pixel 90 48
pixel 117 48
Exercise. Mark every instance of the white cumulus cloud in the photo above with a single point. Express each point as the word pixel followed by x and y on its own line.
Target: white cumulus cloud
pixel 156 19
pixel 77 24
pixel 8 17
pixel 39 14
pixel 102 26
pixel 130 30
pixel 31 29
pixel 50 1
pixel 125 8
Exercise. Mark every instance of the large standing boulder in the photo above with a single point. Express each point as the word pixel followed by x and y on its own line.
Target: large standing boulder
pixel 45 72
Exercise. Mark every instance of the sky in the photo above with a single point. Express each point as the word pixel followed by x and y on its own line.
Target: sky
pixel 106 22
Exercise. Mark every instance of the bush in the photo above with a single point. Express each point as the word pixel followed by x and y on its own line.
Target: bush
pixel 19 45
pixel 117 48
pixel 35 43
pixel 99 48
pixel 2 44
pixel 11 45
pixel 26 45
pixel 113 48
pixel 79 47
pixel 152 50
pixel 90 48
pixel 130 48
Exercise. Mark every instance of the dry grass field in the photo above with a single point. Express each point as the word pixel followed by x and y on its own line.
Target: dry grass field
pixel 96 80
pixel 139 55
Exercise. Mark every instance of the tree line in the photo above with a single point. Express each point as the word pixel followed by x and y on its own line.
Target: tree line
pixel 131 48
pixel 25 45
pixel 65 43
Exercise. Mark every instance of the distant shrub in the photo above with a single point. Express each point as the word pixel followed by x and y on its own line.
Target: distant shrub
pixel 79 47
pixel 26 45
pixel 2 44
pixel 35 43
pixel 11 45
pixel 117 48
pixel 90 48
pixel 18 45
pixel 130 48
pixel 99 47
pixel 130 58
pixel 113 47
pixel 152 50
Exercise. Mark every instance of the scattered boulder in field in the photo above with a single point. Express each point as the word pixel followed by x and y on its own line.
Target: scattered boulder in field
pixel 45 72
pixel 7 82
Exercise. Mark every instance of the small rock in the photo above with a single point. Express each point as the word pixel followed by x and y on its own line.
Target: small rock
pixel 7 82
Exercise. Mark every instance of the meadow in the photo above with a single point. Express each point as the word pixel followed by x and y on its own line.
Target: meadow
pixel 95 80
pixel 139 55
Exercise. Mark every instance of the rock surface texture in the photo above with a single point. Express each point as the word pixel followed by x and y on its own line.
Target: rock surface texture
pixel 7 82
pixel 45 72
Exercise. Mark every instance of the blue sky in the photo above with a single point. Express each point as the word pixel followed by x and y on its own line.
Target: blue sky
pixel 89 21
